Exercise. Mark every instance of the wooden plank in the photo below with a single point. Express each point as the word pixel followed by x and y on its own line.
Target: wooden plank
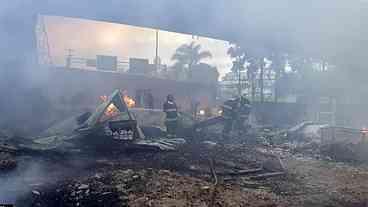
pixel 8 148
pixel 267 175
pixel 242 172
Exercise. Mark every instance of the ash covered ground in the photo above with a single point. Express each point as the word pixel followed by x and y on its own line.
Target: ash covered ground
pixel 198 174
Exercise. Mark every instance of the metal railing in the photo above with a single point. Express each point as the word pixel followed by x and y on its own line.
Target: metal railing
pixel 79 62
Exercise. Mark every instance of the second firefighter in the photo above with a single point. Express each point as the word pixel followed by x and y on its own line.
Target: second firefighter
pixel 171 111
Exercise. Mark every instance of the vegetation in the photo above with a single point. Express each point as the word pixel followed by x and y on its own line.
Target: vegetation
pixel 187 56
pixel 270 67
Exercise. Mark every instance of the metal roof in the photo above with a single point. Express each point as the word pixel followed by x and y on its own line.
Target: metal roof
pixel 319 28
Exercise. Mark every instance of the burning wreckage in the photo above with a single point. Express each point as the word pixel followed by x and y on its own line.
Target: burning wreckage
pixel 114 126
pixel 265 167
pixel 111 126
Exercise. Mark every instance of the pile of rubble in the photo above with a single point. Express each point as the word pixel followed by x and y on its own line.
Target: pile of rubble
pixel 267 167
pixel 7 162
pixel 7 159
pixel 148 187
pixel 316 140
pixel 238 176
pixel 93 191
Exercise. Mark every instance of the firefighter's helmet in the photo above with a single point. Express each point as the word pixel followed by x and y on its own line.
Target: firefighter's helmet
pixel 170 97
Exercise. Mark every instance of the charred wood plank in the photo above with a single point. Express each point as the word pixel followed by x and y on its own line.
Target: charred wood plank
pixel 8 149
pixel 267 175
pixel 242 172
pixel 229 164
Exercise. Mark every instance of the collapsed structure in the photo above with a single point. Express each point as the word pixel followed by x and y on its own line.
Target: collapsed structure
pixel 110 126
pixel 263 160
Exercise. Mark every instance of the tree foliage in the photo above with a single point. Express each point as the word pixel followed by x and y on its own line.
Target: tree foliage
pixel 188 55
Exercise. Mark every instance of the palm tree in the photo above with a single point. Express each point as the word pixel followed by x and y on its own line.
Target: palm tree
pixel 189 55
pixel 236 52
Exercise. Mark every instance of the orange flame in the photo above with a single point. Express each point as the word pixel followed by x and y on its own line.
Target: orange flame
pixel 129 101
pixel 103 98
pixel 111 110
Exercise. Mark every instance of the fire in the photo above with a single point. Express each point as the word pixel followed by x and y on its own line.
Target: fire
pixel 103 98
pixel 111 110
pixel 129 101
pixel 364 131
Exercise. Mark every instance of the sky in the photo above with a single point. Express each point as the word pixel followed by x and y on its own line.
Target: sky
pixel 87 38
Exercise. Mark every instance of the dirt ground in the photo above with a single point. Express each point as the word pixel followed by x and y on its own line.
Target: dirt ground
pixel 184 178
pixel 326 183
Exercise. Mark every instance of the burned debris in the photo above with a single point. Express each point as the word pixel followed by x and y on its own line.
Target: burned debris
pixel 110 126
pixel 7 162
pixel 126 159
pixel 94 112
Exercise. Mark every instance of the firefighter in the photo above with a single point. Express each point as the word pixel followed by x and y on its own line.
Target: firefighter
pixel 243 114
pixel 229 114
pixel 171 111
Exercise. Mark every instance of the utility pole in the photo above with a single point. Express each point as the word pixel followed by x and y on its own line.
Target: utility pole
pixel 239 78
pixel 276 67
pixel 240 67
pixel 156 58
pixel 43 45
pixel 261 79
pixel 276 89
pixel 251 75
pixel 69 59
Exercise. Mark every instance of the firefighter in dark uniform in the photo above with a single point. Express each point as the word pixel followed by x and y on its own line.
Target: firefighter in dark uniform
pixel 171 111
pixel 229 109
pixel 243 114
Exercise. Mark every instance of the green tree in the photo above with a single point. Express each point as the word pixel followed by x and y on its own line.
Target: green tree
pixel 188 55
